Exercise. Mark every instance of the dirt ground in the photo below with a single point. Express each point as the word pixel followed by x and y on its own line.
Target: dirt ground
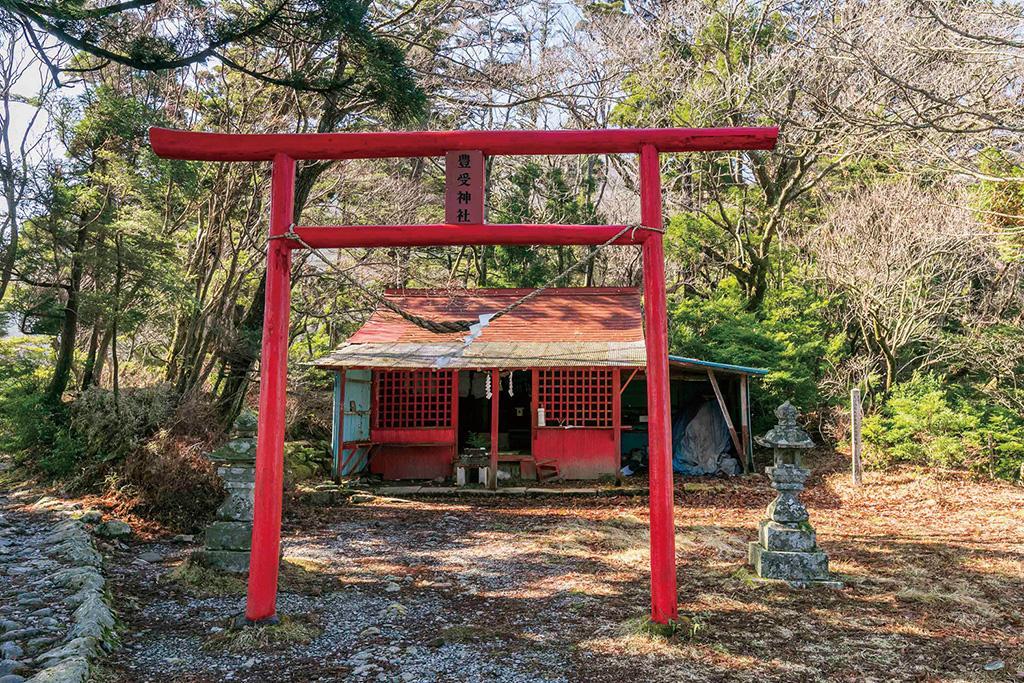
pixel 541 589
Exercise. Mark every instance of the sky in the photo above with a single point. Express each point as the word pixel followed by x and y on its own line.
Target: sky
pixel 27 85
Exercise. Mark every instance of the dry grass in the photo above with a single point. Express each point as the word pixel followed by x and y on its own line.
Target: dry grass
pixel 203 582
pixel 624 538
pixel 309 577
pixel 298 575
pixel 932 565
pixel 289 632
pixel 685 628
pixel 621 532
pixel 961 596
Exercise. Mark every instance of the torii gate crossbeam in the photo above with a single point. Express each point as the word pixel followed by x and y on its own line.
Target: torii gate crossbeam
pixel 284 149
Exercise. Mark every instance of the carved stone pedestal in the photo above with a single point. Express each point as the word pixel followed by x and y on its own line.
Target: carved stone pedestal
pixel 229 538
pixel 787 548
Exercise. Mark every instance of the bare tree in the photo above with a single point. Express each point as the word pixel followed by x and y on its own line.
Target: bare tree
pixel 907 268
pixel 21 139
pixel 737 63
pixel 943 80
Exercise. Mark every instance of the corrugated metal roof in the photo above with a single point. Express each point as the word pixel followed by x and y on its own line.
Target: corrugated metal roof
pixel 571 326
pixel 577 314
pixel 483 354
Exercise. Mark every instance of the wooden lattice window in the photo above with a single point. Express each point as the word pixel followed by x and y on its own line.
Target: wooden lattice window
pixel 412 399
pixel 576 397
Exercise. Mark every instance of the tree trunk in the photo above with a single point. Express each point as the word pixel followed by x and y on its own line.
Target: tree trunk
pixel 101 356
pixel 239 366
pixel 88 377
pixel 239 363
pixel 113 327
pixel 758 285
pixel 69 327
pixel 10 195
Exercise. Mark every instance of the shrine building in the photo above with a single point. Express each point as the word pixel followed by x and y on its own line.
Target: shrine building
pixel 556 388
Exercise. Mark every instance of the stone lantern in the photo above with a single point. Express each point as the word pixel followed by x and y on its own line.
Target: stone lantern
pixel 229 537
pixel 787 548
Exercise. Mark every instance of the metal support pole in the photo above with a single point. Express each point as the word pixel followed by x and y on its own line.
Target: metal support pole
pixel 261 599
pixel 745 457
pixel 663 547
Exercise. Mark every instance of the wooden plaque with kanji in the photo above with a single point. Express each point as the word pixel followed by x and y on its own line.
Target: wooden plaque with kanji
pixel 464 188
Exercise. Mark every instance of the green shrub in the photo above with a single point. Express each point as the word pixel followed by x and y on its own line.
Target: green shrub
pixel 788 336
pixel 110 427
pixel 926 422
pixel 30 427
pixel 61 439
pixel 306 460
pixel 144 447
pixel 95 429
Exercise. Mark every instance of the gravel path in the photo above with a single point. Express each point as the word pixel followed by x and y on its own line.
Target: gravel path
pixel 33 617
pixel 409 618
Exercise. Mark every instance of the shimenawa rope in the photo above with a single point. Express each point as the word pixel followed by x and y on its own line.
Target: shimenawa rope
pixel 453 326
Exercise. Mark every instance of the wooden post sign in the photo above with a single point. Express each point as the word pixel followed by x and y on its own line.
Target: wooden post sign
pixel 464 188
pixel 856 445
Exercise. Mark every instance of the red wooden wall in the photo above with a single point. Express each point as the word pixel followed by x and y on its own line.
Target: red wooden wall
pixel 414 417
pixel 580 453
pixel 581 433
pixel 393 461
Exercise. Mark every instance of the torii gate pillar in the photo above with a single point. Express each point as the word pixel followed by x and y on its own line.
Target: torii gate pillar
pixel 264 557
pixel 664 604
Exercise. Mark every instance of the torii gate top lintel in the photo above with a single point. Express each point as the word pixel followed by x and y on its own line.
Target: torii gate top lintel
pixel 285 149
pixel 179 144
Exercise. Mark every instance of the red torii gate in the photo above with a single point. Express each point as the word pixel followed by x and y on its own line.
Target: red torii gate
pixel 284 149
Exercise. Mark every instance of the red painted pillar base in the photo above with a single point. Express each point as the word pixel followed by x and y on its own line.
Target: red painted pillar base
pixel 261 599
pixel 663 540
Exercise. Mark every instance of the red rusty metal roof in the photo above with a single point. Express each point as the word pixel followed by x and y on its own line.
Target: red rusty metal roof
pixel 587 326
pixel 568 314
pixel 570 326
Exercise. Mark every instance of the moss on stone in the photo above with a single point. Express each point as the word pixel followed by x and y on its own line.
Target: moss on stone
pixel 203 582
pixel 298 575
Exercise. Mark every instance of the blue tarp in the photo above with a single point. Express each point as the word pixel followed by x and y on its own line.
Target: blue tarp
pixel 701 442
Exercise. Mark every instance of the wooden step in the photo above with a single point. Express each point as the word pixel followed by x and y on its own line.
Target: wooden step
pixel 547 470
pixel 514 457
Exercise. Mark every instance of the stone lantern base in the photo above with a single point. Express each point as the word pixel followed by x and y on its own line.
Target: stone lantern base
pixel 788 565
pixel 229 538
pixel 787 547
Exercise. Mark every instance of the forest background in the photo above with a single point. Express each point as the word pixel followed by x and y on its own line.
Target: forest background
pixel 880 246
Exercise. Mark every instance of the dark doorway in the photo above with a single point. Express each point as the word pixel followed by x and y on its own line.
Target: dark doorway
pixel 474 410
pixel 514 419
